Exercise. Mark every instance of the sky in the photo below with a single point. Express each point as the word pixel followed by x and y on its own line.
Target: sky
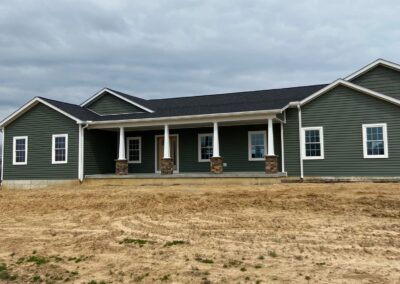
pixel 68 49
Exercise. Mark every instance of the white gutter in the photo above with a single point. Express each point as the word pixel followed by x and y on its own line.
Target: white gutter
pixel 301 143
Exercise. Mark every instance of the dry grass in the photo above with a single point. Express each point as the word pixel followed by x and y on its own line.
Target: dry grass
pixel 301 233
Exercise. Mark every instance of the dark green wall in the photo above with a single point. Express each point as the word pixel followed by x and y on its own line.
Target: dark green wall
pixel 101 149
pixel 381 79
pixel 110 104
pixel 233 147
pixel 39 124
pixel 291 142
pixel 342 112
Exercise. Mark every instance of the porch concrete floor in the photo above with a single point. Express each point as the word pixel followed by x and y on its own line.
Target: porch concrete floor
pixel 189 175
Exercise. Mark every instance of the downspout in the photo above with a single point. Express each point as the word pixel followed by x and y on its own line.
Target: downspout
pixel 81 151
pixel 301 143
pixel 2 154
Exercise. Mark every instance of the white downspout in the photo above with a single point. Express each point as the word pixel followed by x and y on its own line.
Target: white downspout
pixel 81 158
pixel 301 143
pixel 282 149
pixel 2 153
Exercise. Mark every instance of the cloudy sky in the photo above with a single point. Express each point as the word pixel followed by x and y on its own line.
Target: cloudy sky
pixel 69 49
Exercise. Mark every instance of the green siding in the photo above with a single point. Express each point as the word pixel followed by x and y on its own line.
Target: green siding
pixel 291 143
pixel 341 112
pixel 110 104
pixel 100 151
pixel 381 79
pixel 39 124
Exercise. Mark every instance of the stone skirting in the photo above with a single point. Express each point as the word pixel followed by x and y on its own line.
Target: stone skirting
pixel 167 166
pixel 121 167
pixel 271 164
pixel 216 165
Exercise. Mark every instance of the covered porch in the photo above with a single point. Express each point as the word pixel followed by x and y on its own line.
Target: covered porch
pixel 231 147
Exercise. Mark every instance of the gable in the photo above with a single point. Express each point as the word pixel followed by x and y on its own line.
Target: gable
pixel 107 104
pixel 380 79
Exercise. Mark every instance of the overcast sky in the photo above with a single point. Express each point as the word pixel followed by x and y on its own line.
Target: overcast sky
pixel 68 50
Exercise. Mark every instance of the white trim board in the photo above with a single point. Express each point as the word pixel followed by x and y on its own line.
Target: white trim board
pixel 106 90
pixel 15 163
pixel 372 65
pixel 53 149
pixel 30 105
pixel 385 141
pixel 321 142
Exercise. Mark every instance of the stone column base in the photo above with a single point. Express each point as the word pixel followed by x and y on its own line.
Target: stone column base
pixel 271 164
pixel 216 165
pixel 121 167
pixel 167 166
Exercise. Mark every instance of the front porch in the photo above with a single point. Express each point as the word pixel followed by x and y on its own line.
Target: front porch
pixel 223 149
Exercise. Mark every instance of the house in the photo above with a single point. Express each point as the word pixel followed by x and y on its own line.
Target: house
pixel 349 128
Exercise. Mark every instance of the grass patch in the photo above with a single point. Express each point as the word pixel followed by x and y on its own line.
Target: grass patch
pixel 272 253
pixel 95 282
pixel 232 263
pixel 165 277
pixel 38 260
pixel 77 259
pixel 174 243
pixel 257 266
pixel 204 260
pixel 139 242
pixel 5 275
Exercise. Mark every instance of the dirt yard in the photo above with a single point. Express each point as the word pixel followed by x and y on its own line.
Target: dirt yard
pixel 291 233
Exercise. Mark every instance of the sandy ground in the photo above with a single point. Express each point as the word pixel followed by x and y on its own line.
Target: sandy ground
pixel 285 233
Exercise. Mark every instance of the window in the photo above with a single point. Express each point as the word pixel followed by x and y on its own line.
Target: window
pixel 60 149
pixel 375 140
pixel 20 150
pixel 257 145
pixel 134 149
pixel 313 143
pixel 205 147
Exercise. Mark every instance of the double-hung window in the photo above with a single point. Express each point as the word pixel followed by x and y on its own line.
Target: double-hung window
pixel 205 147
pixel 257 145
pixel 60 149
pixel 375 142
pixel 313 143
pixel 134 150
pixel 20 150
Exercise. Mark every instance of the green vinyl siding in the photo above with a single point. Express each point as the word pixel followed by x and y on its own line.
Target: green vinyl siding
pixel 341 112
pixel 100 151
pixel 291 142
pixel 39 124
pixel 381 79
pixel 110 104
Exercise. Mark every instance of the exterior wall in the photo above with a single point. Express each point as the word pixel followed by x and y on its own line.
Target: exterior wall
pixel 233 147
pixel 291 142
pixel 341 112
pixel 39 124
pixel 100 151
pixel 381 79
pixel 110 104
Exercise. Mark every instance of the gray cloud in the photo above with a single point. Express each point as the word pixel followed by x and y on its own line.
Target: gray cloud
pixel 69 49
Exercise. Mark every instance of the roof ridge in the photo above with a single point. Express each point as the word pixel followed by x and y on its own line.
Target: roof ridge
pixel 240 92
pixel 47 99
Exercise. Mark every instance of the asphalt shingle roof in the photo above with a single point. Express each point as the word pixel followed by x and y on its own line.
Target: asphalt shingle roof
pixel 196 105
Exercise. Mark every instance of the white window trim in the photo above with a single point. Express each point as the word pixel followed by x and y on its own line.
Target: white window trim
pixel 140 149
pixel 385 141
pixel 321 140
pixel 15 163
pixel 199 146
pixel 53 149
pixel 249 144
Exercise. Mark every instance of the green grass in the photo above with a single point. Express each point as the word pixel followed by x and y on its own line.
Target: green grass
pixel 5 275
pixel 272 254
pixel 204 260
pixel 38 260
pixel 232 263
pixel 139 242
pixel 174 243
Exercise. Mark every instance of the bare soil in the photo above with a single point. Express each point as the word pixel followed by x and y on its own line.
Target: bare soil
pixel 290 233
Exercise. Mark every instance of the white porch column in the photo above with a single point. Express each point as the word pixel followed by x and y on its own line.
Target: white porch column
pixel 271 148
pixel 167 150
pixel 215 141
pixel 121 152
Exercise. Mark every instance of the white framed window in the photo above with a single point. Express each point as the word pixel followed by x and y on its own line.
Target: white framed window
pixel 20 150
pixel 205 150
pixel 257 145
pixel 375 142
pixel 313 143
pixel 60 149
pixel 134 150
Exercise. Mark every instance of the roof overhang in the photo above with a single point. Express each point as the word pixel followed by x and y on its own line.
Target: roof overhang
pixel 187 119
pixel 372 65
pixel 106 90
pixel 30 105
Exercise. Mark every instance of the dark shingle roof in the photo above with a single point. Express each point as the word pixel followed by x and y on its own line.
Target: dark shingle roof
pixel 196 105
